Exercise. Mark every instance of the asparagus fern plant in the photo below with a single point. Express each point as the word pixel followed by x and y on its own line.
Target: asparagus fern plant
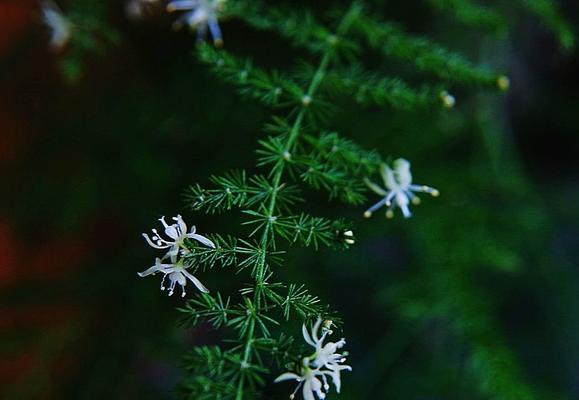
pixel 299 153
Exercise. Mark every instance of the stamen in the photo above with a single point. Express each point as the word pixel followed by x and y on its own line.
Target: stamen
pixel 172 287
pixel 293 395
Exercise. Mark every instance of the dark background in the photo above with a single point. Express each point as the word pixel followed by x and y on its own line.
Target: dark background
pixel 87 166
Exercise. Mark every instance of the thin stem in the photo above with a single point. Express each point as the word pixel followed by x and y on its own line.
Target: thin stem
pixel 276 184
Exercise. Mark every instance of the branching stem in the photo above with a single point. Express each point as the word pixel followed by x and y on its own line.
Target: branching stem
pixel 276 182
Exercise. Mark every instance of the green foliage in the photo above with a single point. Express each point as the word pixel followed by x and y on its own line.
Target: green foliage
pixel 271 89
pixel 550 16
pixel 269 204
pixel 424 54
pixel 300 27
pixel 369 89
pixel 473 14
pixel 299 154
pixel 91 34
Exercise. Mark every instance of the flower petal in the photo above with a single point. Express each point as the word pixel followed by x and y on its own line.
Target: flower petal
pixel 375 188
pixel 388 177
pixel 307 390
pixel 178 277
pixel 172 253
pixel 337 381
pixel 158 267
pixel 195 281
pixel 172 232
pixel 201 239
pixel 182 5
pixel 151 271
pixel 402 171
pixel 182 225
pixel 315 330
pixel 288 376
pixel 307 336
pixel 162 219
pixel 215 29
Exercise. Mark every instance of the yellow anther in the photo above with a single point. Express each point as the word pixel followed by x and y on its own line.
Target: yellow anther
pixel 504 83
pixel 448 100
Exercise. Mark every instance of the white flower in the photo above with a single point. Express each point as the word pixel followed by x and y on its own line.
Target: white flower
pixel 177 275
pixel 200 15
pixel 309 381
pixel 315 368
pixel 399 189
pixel 60 27
pixel 177 234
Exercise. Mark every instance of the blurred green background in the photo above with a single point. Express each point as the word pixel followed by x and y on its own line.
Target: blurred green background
pixel 480 281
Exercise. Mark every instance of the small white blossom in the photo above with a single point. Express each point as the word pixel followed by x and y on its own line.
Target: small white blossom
pixel 399 189
pixel 177 274
pixel 60 27
pixel 325 362
pixel 177 234
pixel 200 15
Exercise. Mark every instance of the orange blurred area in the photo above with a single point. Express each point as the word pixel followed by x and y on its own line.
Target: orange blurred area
pixel 15 17
pixel 8 256
pixel 50 260
pixel 30 357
